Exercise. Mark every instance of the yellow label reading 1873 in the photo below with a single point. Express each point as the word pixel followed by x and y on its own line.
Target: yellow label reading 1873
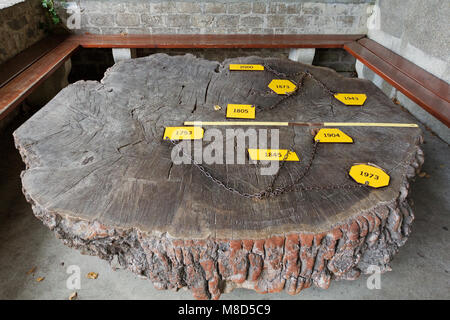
pixel 248 67
pixel 282 86
pixel 183 133
pixel 272 155
pixel 370 174
pixel 242 111
pixel 332 136
pixel 351 99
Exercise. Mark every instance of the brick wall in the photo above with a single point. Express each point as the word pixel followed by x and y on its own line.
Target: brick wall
pixel 223 16
pixel 21 25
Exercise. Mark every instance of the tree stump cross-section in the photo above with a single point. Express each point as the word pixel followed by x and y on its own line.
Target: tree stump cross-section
pixel 99 174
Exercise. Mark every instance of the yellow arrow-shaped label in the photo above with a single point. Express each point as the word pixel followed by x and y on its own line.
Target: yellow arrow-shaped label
pixel 272 155
pixel 351 99
pixel 247 67
pixel 332 136
pixel 183 133
pixel 282 86
pixel 370 174
pixel 242 111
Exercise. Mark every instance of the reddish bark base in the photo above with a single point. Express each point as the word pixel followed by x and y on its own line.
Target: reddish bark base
pixel 209 267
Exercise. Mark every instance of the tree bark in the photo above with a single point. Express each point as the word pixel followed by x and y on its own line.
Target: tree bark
pixel 100 176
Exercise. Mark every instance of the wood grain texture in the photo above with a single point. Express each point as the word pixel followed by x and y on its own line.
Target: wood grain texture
pixel 100 176
pixel 215 41
pixel 410 87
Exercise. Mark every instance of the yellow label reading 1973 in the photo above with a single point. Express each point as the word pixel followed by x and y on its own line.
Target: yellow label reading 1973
pixel 183 133
pixel 330 135
pixel 370 174
pixel 242 111
pixel 247 67
pixel 272 155
pixel 351 99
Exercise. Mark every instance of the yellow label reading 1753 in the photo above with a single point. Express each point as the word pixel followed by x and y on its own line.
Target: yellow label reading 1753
pixel 330 135
pixel 351 99
pixel 242 111
pixel 272 155
pixel 183 133
pixel 370 174
pixel 247 67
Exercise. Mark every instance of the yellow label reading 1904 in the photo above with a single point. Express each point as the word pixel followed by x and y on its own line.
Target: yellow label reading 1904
pixel 183 133
pixel 242 111
pixel 247 67
pixel 351 99
pixel 332 136
pixel 282 86
pixel 272 155
pixel 369 174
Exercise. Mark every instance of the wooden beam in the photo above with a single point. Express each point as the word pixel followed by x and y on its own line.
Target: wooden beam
pixel 410 87
pixel 16 90
pixel 215 41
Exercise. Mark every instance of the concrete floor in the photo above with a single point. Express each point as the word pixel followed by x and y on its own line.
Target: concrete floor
pixel 420 270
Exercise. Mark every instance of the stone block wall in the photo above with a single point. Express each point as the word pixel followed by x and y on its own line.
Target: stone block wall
pixel 224 16
pixel 21 25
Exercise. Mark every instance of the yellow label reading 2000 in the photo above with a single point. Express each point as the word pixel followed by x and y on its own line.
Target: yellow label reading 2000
pixel 248 67
pixel 272 155
pixel 183 133
pixel 242 111
pixel 370 174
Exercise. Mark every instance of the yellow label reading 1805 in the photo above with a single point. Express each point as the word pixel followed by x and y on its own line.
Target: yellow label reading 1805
pixel 242 111
pixel 332 136
pixel 369 174
pixel 247 67
pixel 183 133
pixel 272 155
pixel 351 99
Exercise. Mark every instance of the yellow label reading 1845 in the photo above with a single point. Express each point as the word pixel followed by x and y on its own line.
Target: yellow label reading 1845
pixel 282 86
pixel 242 111
pixel 332 136
pixel 272 155
pixel 247 67
pixel 183 133
pixel 370 174
pixel 351 99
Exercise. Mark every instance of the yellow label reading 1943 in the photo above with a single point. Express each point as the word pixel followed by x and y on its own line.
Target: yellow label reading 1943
pixel 272 155
pixel 183 133
pixel 332 136
pixel 351 99
pixel 247 67
pixel 369 174
pixel 242 111
pixel 282 86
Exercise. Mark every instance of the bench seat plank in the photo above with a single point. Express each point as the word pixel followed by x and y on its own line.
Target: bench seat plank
pixel 26 58
pixel 427 99
pixel 16 90
pixel 424 78
pixel 214 41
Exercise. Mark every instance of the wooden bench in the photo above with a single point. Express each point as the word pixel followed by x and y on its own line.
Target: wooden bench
pixel 34 65
pixel 428 91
